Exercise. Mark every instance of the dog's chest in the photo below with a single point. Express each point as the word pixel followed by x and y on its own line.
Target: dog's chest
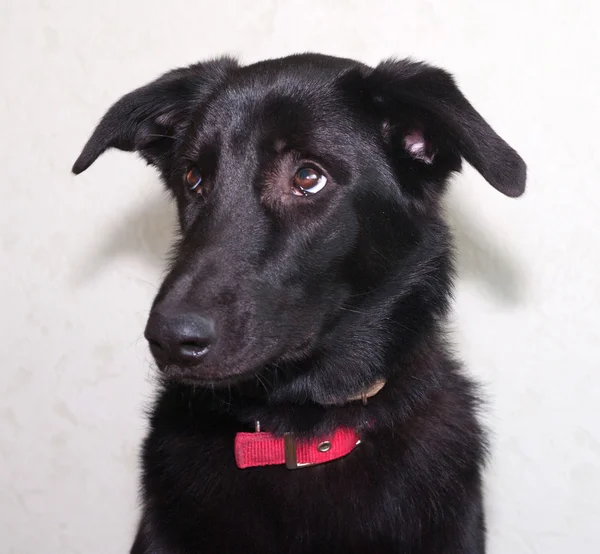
pixel 204 500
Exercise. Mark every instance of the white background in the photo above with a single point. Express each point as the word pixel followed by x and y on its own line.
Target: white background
pixel 81 258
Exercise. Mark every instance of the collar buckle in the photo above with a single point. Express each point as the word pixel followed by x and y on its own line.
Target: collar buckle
pixel 291 457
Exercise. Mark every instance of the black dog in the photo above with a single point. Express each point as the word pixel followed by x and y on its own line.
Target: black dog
pixel 307 296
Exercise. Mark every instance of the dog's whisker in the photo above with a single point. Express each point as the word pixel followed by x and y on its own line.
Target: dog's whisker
pixel 146 282
pixel 137 340
pixel 155 135
pixel 379 253
pixel 354 311
pixel 262 382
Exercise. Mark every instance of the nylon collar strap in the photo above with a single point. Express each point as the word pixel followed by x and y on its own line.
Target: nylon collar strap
pixel 260 449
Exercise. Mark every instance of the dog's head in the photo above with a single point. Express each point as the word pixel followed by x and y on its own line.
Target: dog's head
pixel 308 191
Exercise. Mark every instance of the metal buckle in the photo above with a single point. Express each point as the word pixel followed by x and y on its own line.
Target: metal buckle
pixel 289 446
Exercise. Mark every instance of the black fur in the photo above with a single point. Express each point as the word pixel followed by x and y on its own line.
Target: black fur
pixel 313 299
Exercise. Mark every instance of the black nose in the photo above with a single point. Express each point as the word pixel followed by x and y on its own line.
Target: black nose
pixel 181 338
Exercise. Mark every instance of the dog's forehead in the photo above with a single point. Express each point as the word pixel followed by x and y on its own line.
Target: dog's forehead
pixel 281 101
pixel 291 83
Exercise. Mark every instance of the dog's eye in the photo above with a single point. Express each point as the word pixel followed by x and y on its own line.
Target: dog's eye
pixel 193 178
pixel 308 181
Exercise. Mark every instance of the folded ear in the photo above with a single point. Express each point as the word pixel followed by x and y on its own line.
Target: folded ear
pixel 150 120
pixel 425 105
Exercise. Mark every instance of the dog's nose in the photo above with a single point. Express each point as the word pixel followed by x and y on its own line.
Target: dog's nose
pixel 179 339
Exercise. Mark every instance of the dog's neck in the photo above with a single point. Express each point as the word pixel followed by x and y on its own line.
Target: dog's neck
pixel 262 449
pixel 363 396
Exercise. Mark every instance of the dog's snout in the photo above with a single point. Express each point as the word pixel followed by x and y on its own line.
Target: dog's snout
pixel 179 339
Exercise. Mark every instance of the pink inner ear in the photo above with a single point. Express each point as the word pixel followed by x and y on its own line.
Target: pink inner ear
pixel 417 147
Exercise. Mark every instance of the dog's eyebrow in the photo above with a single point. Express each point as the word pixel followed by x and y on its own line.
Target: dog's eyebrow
pixel 279 145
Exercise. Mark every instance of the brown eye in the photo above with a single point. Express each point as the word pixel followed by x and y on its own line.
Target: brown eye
pixel 193 178
pixel 308 181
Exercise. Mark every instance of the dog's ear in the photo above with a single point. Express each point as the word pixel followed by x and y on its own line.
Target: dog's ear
pixel 150 119
pixel 424 113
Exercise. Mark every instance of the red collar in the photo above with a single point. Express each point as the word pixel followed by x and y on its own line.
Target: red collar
pixel 265 449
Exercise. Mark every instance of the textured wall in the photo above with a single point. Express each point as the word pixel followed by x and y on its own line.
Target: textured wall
pixel 80 259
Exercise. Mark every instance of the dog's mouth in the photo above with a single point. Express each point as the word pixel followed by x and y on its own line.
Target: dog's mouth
pixel 189 376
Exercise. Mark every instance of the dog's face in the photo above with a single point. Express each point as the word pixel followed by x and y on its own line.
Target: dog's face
pixel 308 192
